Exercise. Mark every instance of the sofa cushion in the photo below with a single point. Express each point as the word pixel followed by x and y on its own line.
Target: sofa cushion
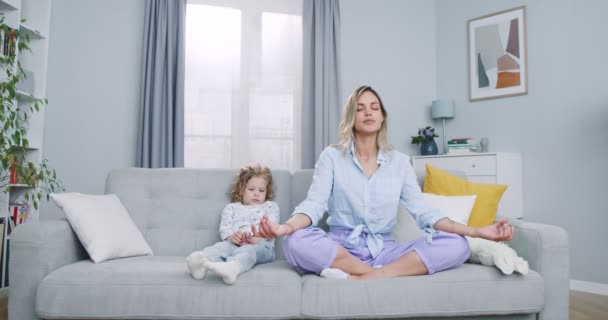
pixel 457 208
pixel 92 216
pixel 464 291
pixel 161 287
pixel 441 182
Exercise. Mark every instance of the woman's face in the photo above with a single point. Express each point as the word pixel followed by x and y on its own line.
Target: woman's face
pixel 369 118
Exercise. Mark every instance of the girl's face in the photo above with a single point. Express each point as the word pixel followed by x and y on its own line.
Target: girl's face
pixel 255 191
pixel 369 118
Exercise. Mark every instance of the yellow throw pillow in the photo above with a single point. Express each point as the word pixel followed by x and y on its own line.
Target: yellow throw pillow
pixel 488 195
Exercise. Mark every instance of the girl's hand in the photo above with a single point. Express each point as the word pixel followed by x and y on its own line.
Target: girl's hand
pixel 500 231
pixel 236 238
pixel 253 240
pixel 245 238
pixel 270 230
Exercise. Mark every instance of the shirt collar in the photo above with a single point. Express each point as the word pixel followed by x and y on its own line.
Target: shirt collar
pixel 382 156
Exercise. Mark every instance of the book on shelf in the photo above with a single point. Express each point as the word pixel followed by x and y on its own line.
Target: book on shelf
pixel 456 146
pixel 12 176
pixel 7 42
pixel 3 246
pixel 460 151
pixel 460 141
pixel 19 213
pixel 2 41
pixel 462 146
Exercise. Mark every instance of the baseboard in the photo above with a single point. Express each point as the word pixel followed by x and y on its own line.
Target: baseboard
pixel 3 292
pixel 590 287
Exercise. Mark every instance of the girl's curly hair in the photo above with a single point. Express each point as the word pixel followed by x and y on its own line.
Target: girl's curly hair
pixel 248 172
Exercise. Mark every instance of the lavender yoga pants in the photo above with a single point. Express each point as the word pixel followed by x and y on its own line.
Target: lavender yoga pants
pixel 312 250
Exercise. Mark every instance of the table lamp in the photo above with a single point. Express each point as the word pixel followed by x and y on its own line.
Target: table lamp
pixel 443 109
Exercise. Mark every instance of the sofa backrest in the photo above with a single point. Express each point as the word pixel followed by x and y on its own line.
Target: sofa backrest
pixel 178 210
pixel 300 183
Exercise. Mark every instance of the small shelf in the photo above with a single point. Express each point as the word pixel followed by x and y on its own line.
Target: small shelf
pixel 7 6
pixel 34 34
pixel 19 185
pixel 27 149
pixel 24 96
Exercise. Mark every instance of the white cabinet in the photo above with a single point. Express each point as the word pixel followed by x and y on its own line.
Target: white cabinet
pixel 499 167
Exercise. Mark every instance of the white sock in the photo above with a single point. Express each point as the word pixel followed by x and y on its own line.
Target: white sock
pixel 196 263
pixel 229 271
pixel 333 273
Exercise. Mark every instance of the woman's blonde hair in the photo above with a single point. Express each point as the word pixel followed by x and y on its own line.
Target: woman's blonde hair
pixel 346 131
pixel 247 172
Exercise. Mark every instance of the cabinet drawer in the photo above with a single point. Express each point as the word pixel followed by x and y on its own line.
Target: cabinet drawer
pixel 471 165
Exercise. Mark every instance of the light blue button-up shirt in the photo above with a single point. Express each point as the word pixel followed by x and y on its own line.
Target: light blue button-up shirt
pixel 365 204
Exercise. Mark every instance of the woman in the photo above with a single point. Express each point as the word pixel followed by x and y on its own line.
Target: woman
pixel 360 182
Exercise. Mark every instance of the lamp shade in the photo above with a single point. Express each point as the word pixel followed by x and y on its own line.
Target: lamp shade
pixel 442 109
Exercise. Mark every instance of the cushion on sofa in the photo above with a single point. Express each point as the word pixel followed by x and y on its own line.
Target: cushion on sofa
pixel 457 208
pixel 103 225
pixel 465 291
pixel 441 182
pixel 161 287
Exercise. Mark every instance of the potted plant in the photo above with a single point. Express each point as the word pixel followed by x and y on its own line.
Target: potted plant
pixel 426 138
pixel 38 179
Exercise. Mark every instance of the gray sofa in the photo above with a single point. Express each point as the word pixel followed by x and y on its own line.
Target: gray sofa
pixel 177 210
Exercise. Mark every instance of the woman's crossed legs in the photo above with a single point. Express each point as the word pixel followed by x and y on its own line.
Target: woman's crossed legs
pixel 313 250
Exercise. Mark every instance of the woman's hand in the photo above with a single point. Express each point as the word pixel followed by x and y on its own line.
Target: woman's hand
pixel 500 231
pixel 270 230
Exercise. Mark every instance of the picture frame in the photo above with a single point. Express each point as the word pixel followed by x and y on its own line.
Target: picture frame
pixel 498 63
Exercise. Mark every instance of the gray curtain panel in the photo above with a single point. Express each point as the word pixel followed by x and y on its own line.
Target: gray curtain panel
pixel 161 120
pixel 321 105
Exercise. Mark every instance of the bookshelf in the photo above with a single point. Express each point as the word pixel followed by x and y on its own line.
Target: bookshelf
pixel 31 17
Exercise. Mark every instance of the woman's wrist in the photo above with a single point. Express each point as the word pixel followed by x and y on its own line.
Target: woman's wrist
pixel 291 227
pixel 449 225
pixel 474 232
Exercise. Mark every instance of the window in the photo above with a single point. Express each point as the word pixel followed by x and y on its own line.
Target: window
pixel 243 86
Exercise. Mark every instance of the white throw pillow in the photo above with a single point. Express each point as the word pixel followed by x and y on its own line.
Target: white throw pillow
pixel 103 225
pixel 457 208
pixel 491 253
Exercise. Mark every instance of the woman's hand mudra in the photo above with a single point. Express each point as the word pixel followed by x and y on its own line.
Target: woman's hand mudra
pixel 269 229
pixel 499 231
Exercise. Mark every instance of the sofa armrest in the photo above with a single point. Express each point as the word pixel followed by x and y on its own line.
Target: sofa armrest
pixel 37 249
pixel 546 249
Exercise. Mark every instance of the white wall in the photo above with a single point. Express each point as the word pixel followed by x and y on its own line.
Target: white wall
pixel 560 127
pixel 390 45
pixel 93 91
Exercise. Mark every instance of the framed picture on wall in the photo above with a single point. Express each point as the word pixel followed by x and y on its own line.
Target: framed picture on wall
pixel 498 65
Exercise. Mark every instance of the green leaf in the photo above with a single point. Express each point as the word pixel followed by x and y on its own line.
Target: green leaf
pixel 14 122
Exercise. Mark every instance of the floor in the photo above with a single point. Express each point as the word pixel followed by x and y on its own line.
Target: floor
pixel 587 306
pixel 583 306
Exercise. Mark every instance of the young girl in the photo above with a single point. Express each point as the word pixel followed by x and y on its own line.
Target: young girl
pixel 240 250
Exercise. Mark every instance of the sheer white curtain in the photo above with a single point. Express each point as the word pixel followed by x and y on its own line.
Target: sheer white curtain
pixel 243 87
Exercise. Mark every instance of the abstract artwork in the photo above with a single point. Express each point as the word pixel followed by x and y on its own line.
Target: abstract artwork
pixel 497 55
